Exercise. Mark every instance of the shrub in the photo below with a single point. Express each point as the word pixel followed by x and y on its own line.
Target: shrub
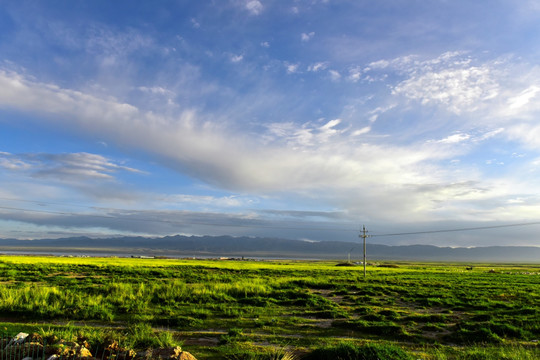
pixel 143 337
pixel 476 335
pixel 233 335
pixel 177 322
pixel 507 330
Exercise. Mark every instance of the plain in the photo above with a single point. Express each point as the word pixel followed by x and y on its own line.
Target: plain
pixel 252 309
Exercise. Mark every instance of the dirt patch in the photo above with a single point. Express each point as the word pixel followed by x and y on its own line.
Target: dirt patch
pixel 327 294
pixel 201 341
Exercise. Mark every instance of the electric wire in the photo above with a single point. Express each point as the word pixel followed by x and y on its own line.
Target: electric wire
pixel 458 229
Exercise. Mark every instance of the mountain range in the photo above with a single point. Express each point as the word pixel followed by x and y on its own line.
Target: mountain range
pixel 227 246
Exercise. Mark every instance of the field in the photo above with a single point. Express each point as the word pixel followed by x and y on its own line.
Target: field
pixel 277 309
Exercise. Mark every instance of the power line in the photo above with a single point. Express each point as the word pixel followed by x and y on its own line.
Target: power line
pixel 459 229
pixel 48 203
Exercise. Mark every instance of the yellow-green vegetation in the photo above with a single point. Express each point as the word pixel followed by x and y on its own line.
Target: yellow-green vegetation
pixel 278 309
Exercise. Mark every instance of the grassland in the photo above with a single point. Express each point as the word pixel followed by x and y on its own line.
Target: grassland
pixel 266 310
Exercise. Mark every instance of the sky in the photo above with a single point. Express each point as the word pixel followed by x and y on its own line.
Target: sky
pixel 300 119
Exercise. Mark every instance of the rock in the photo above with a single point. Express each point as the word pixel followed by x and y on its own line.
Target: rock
pixel 83 352
pixel 35 337
pixel 144 355
pixel 167 353
pixel 18 339
pixel 71 349
pixel 184 355
pixel 173 353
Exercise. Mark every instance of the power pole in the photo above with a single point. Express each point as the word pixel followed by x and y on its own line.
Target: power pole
pixel 364 236
pixel 350 253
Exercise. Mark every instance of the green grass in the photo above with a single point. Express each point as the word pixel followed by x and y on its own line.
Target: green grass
pixel 276 309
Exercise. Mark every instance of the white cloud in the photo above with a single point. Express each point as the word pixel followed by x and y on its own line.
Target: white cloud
pixel 331 124
pixel 461 89
pixel 524 97
pixel 528 134
pixel 195 23
pixel 334 75
pixel 455 138
pixel 294 136
pixel 12 162
pixel 156 90
pixel 496 91
pixel 355 74
pixel 254 6
pixel 265 44
pixel 500 95
pixel 110 47
pixel 328 158
pixel 403 64
pixel 307 36
pixel 375 113
pixel 491 134
pixel 494 162
pixel 236 58
pixel 307 136
pixel 180 200
pixel 291 68
pixel 65 167
pixel 361 131
pixel 318 66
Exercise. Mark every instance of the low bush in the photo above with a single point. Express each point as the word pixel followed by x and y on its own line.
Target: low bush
pixel 143 337
pixel 473 336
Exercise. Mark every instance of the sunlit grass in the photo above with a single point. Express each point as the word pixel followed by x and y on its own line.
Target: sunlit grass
pixel 423 307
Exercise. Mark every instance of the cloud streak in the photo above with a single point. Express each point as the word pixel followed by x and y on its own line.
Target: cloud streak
pixel 63 167
pixel 312 160
pixel 328 157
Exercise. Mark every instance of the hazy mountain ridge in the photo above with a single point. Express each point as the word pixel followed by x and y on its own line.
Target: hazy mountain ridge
pixel 179 245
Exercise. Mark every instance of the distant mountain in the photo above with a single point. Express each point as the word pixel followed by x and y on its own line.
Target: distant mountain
pixel 227 246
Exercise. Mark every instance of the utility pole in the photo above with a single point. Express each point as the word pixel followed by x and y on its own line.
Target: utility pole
pixel 364 236
pixel 350 253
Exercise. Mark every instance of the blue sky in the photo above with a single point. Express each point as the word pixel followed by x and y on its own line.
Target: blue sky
pixel 301 119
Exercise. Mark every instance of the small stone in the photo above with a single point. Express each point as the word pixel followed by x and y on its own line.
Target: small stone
pixel 167 353
pixel 18 339
pixel 83 352
pixel 184 355
pixel 147 354
pixel 35 337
